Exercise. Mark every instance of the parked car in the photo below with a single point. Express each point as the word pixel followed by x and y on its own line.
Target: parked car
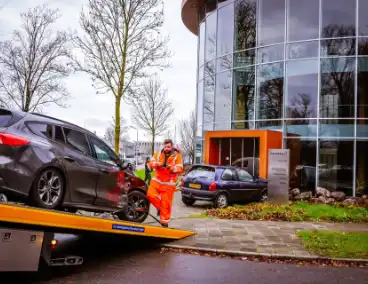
pixel 53 164
pixel 222 185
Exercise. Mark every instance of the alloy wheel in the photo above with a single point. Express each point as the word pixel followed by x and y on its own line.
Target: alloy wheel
pixel 49 187
pixel 221 201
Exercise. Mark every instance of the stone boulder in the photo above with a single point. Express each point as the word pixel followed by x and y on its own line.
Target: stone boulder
pixel 320 191
pixel 350 201
pixel 338 195
pixel 295 191
pixel 304 196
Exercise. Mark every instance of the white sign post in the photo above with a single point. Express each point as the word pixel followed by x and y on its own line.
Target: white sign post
pixel 278 175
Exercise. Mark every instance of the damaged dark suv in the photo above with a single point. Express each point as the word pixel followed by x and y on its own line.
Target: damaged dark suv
pixel 53 164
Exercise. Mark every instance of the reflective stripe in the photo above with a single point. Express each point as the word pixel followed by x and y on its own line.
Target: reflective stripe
pixel 164 182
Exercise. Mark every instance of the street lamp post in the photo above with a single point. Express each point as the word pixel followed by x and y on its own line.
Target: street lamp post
pixel 135 148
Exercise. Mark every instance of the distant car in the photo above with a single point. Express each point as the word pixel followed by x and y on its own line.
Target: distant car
pixel 222 185
pixel 53 164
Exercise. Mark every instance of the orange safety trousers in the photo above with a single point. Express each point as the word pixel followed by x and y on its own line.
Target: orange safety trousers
pixel 161 196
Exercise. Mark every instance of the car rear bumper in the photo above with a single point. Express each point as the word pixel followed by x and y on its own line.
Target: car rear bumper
pixel 198 194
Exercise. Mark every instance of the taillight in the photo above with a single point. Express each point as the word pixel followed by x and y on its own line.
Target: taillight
pixel 12 140
pixel 182 183
pixel 212 186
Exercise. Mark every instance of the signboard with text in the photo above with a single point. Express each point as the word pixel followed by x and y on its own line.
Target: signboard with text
pixel 278 175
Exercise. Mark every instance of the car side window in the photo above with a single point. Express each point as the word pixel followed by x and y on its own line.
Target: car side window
pixel 243 175
pixel 103 152
pixel 59 135
pixel 77 141
pixel 228 174
pixel 41 129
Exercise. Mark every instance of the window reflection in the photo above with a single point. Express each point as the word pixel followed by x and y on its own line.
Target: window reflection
pixel 199 108
pixel 270 53
pixel 363 20
pixel 363 46
pixel 245 34
pixel 209 103
pixel 336 161
pixel 269 124
pixel 202 37
pixel 302 50
pixel 210 46
pixel 338 47
pixel 198 152
pixel 245 58
pixel 336 128
pixel 362 128
pixel 225 63
pixel 362 108
pixel 244 90
pixel 302 89
pixel 270 91
pixel 210 68
pixel 271 22
pixel 338 18
pixel 337 87
pixel 301 127
pixel 225 30
pixel 303 154
pixel 303 20
pixel 362 168
pixel 223 101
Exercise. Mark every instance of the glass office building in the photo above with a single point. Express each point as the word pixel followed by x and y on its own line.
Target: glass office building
pixel 299 67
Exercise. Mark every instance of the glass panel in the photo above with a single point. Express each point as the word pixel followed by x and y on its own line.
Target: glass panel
pixel 225 152
pixel 244 96
pixel 303 154
pixel 338 18
pixel 338 47
pixel 223 101
pixel 225 30
pixel 225 63
pixel 211 22
pixel 336 162
pixel 209 103
pixel 236 150
pixel 363 20
pixel 250 159
pixel 336 128
pixel 245 34
pixel 200 72
pixel 199 108
pixel 361 168
pixel 271 22
pixel 362 107
pixel 245 58
pixel 363 46
pixel 202 37
pixel 269 124
pixel 303 20
pixel 362 128
pixel 302 89
pixel 270 91
pixel 302 50
pixel 198 154
pixel 302 127
pixel 209 68
pixel 337 87
pixel 77 141
pixel 270 54
pixel 243 125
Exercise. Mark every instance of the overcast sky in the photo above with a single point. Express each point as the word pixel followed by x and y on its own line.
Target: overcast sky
pixel 94 112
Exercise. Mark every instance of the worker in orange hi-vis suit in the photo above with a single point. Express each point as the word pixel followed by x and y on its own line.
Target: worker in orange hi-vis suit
pixel 167 165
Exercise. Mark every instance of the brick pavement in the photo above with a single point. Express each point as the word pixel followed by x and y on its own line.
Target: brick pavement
pixel 265 237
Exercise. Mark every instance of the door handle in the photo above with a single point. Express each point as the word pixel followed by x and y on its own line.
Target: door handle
pixel 69 159
pixel 104 171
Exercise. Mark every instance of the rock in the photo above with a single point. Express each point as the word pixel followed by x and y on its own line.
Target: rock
pixel 330 201
pixel 350 201
pixel 295 191
pixel 365 197
pixel 338 195
pixel 315 200
pixel 322 200
pixel 304 196
pixel 320 191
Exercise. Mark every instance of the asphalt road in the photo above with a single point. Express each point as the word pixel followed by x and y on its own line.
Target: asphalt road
pixel 150 266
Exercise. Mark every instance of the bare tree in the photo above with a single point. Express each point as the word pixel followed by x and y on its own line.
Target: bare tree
pixel 187 135
pixel 121 45
pixel 110 131
pixel 34 62
pixel 153 109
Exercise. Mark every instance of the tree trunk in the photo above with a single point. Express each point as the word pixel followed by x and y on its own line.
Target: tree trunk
pixel 153 144
pixel 117 124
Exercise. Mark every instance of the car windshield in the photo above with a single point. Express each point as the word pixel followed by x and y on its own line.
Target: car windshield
pixel 202 172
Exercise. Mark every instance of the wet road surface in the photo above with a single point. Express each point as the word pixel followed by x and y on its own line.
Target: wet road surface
pixel 121 262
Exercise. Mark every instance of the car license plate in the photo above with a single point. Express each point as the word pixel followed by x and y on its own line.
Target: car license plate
pixel 193 185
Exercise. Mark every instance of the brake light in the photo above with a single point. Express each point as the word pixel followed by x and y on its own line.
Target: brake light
pixel 212 186
pixel 182 183
pixel 12 140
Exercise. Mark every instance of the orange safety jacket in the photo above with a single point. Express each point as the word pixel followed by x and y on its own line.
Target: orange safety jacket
pixel 167 167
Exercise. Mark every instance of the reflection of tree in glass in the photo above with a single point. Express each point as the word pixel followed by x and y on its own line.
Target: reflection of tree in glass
pixel 363 80
pixel 245 24
pixel 337 78
pixel 300 107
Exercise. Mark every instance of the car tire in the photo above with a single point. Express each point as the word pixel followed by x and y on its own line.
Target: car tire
pixel 139 200
pixel 188 201
pixel 221 200
pixel 48 189
pixel 264 196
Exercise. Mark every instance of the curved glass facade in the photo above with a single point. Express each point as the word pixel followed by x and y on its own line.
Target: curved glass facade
pixel 296 66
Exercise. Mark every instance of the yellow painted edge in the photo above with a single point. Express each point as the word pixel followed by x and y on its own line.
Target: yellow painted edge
pixel 40 217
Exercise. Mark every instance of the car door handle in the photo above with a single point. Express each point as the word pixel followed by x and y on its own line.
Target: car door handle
pixel 105 171
pixel 69 159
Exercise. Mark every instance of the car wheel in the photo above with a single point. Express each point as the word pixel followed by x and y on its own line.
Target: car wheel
pixel 48 189
pixel 188 201
pixel 264 196
pixel 221 200
pixel 136 199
